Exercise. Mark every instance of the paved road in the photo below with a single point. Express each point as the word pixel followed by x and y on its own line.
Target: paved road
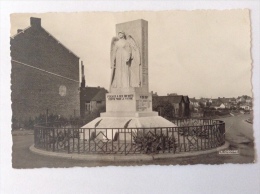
pixel 237 129
pixel 238 133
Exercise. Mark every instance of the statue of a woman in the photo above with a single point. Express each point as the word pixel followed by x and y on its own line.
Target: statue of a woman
pixel 125 62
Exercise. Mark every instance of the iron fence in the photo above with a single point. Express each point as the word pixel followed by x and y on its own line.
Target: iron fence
pixel 189 135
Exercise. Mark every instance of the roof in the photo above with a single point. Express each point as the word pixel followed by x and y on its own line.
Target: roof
pixel 232 99
pixel 186 99
pixel 216 102
pixel 29 27
pixel 202 100
pixel 193 100
pixel 12 37
pixel 225 100
pixel 94 93
pixel 171 99
pixel 100 96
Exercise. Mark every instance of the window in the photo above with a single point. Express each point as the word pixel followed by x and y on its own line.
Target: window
pixel 87 106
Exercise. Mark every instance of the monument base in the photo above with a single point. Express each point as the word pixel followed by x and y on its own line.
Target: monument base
pixel 129 122
pixel 129 114
pixel 109 123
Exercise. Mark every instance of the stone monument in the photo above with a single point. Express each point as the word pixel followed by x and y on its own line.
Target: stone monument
pixel 129 103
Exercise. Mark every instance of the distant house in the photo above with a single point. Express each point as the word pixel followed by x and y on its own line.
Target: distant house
pixel 194 104
pixel 241 99
pixel 180 105
pixel 203 101
pixel 244 106
pixel 217 103
pixel 92 99
pixel 244 98
pixel 245 102
pixel 232 102
pixel 226 102
pixel 249 100
pixel 154 93
pixel 222 103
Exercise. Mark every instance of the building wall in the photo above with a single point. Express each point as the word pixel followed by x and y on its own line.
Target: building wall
pixel 180 109
pixel 95 106
pixel 186 112
pixel 34 91
pixel 82 103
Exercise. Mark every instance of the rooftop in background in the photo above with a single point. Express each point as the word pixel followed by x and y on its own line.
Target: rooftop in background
pixel 94 93
pixel 172 99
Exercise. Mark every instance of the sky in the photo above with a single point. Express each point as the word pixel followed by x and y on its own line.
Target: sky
pixel 196 53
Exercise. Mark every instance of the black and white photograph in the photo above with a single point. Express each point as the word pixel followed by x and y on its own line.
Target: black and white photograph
pixel 115 96
pixel 137 88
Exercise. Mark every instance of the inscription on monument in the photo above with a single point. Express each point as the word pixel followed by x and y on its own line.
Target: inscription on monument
pixel 120 97
pixel 142 104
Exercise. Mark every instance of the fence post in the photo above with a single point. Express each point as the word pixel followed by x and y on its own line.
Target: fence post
pixel 78 136
pixel 68 139
pixel 125 139
pixel 53 136
pixel 224 132
pixel 34 133
pixel 46 116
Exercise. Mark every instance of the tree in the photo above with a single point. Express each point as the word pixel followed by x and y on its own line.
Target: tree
pixel 165 109
pixel 202 105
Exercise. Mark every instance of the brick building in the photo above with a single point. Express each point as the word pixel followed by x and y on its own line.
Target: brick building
pixel 45 75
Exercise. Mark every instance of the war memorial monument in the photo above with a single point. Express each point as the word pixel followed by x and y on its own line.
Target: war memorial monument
pixel 129 102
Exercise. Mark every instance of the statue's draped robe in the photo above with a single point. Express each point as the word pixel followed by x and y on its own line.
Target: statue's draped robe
pixel 121 56
pixel 134 68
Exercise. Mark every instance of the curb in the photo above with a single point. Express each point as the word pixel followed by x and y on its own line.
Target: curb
pixel 137 157
pixel 21 133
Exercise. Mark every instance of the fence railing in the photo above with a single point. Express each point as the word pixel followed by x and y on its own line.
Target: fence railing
pixel 190 135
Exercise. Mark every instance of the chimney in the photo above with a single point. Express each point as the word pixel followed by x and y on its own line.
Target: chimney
pixel 83 81
pixel 82 69
pixel 19 30
pixel 35 22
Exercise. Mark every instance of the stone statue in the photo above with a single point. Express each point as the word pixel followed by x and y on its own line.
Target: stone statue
pixel 125 62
